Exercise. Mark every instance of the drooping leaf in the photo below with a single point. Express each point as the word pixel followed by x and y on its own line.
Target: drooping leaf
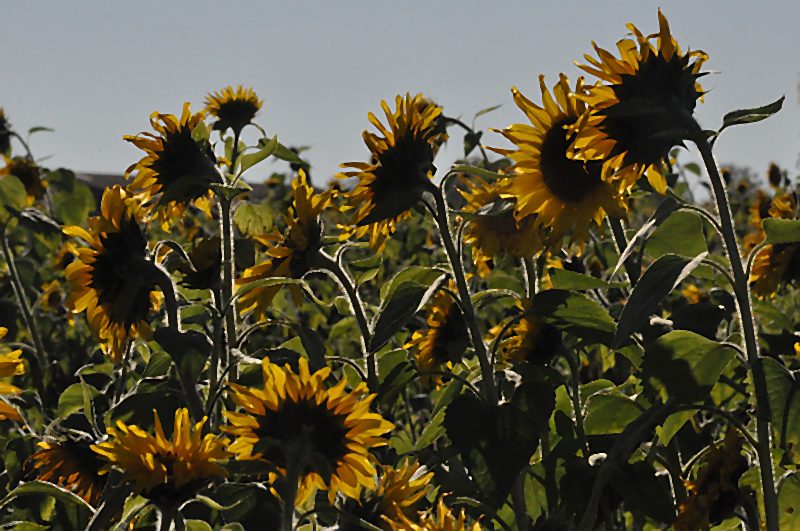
pixel 189 350
pixel 403 302
pixel 251 159
pixel 680 234
pixel 783 394
pixel 574 313
pixel 72 399
pixel 657 282
pixel 253 219
pixel 781 230
pixel 684 366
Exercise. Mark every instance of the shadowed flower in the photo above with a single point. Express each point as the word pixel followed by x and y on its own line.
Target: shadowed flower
pixel 566 195
pixel 639 113
pixel 445 341
pixel 234 108
pixel 439 519
pixel 176 170
pixel 72 465
pixel 166 471
pixel 328 431
pixel 527 338
pixel 775 264
pixel 27 172
pixel 491 228
pixel 401 169
pixel 106 279
pixel 399 490
pixel 5 133
pixel 774 175
pixel 290 253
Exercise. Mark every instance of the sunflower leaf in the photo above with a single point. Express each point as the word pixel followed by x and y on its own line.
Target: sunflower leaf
pixel 756 114
pixel 480 172
pixel 781 230
pixel 403 302
pixel 12 196
pixel 251 159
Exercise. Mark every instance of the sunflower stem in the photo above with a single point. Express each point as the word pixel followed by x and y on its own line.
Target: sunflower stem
pixel 744 305
pixel 531 279
pixel 348 286
pixel 622 243
pixel 443 221
pixel 228 304
pixel 575 396
pixel 38 368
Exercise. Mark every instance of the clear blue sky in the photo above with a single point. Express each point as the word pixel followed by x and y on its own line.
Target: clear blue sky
pixel 95 69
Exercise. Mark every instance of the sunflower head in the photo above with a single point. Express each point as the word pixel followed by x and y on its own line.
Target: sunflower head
pixel 440 518
pixel 11 364
pixel 176 170
pixel 26 170
pixel 400 170
pixel 775 264
pixel 638 112
pixel 234 108
pixel 527 338
pixel 166 471
pixel 292 252
pixel 398 492
pixel 106 279
pixel 445 341
pixel 72 465
pixel 332 429
pixel 775 175
pixel 5 133
pixel 566 195
pixel 492 229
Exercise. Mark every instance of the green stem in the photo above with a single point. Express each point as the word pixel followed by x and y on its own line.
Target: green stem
pixel 575 382
pixel 743 302
pixel 531 280
pixel 443 222
pixel 347 285
pixel 226 288
pixel 37 369
pixel 622 243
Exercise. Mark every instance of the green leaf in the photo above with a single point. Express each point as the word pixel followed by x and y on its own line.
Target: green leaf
pixel 72 399
pixel 201 133
pixel 49 490
pixel 574 313
pixel 251 159
pixel 402 303
pixel 789 502
pixel 684 366
pixel 784 406
pixel 663 211
pixel 253 219
pixel 756 114
pixel 40 129
pixel 673 424
pixel 609 412
pixel 197 525
pixel 487 110
pixel 74 207
pixel 189 350
pixel 574 281
pixel 433 430
pixel 658 281
pixel 419 274
pixel 480 172
pixel 284 153
pixel 781 230
pixel 12 195
pixel 680 234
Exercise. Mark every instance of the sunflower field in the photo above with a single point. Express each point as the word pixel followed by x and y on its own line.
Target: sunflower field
pixel 573 327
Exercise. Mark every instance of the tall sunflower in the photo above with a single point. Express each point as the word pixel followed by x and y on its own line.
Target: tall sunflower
pixel 72 465
pixel 234 108
pixel 333 429
pixel 400 170
pixel 166 471
pixel 26 170
pixel 290 253
pixel 439 519
pixel 566 195
pixel 399 490
pixel 445 341
pixel 105 278
pixel 492 230
pixel 638 113
pixel 176 170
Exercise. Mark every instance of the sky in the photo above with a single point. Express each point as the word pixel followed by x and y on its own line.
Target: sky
pixel 94 70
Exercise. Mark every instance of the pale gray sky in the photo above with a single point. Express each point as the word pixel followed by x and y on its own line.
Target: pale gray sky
pixel 94 70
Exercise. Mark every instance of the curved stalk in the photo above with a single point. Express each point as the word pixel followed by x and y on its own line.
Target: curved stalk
pixel 443 222
pixel 621 241
pixel 743 302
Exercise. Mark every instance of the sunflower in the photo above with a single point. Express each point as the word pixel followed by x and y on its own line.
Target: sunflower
pixel 26 170
pixel 440 519
pixel 445 340
pixel 774 175
pixel 234 108
pixel 566 195
pixel 639 113
pixel 177 169
pixel 527 338
pixel 333 429
pixel 5 133
pixel 492 230
pixel 290 253
pixel 398 491
pixel 11 364
pixel 400 170
pixel 72 465
pixel 166 471
pixel 775 264
pixel 714 495
pixel 106 280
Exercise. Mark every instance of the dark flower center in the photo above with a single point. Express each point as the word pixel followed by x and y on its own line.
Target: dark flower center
pixel 185 169
pixel 569 180
pixel 646 123
pixel 121 288
pixel 322 430
pixel 235 114
pixel 28 173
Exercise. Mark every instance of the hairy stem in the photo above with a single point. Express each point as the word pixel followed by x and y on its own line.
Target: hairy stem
pixel 622 243
pixel 227 304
